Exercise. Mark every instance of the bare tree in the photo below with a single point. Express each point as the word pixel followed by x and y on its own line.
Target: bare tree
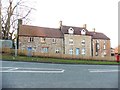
pixel 10 16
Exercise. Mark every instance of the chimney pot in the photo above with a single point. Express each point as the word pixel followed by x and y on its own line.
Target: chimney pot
pixel 94 29
pixel 85 26
pixel 19 21
pixel 60 23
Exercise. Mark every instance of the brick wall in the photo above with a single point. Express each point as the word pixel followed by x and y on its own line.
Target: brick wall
pixel 103 48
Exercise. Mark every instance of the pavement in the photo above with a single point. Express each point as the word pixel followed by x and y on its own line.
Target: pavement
pixel 45 75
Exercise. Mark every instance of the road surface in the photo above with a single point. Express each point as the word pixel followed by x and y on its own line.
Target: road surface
pixel 45 75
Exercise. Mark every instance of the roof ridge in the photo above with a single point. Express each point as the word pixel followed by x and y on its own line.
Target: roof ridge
pixel 39 26
pixel 95 32
pixel 72 26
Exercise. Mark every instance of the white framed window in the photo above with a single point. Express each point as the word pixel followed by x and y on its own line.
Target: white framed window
pixel 57 51
pixel 53 40
pixel 96 53
pixel 83 51
pixel 30 39
pixel 83 31
pixel 71 51
pixel 104 41
pixel 71 30
pixel 97 44
pixel 44 49
pixel 71 41
pixel 83 42
pixel 43 40
pixel 104 45
pixel 105 53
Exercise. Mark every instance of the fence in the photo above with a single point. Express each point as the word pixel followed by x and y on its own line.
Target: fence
pixel 53 55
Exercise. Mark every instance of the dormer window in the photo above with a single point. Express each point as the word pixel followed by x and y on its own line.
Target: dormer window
pixel 83 31
pixel 70 30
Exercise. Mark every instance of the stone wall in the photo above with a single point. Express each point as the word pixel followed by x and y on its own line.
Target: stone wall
pixel 77 44
pixel 37 44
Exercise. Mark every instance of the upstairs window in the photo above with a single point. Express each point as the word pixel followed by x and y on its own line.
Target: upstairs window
pixel 104 45
pixel 71 31
pixel 71 41
pixel 97 44
pixel 43 40
pixel 31 39
pixel 83 42
pixel 53 40
pixel 104 41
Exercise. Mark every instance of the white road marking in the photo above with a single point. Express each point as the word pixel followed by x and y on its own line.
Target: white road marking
pixel 31 70
pixel 34 71
pixel 103 70
pixel 13 69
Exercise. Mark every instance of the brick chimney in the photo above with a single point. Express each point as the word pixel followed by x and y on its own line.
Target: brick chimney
pixel 60 24
pixel 19 21
pixel 85 26
pixel 94 29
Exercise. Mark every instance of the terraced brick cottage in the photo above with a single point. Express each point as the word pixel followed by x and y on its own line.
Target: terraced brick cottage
pixel 64 40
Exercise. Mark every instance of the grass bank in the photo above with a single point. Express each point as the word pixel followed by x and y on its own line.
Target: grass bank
pixel 54 60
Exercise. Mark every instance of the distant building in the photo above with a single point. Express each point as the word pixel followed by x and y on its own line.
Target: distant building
pixel 6 43
pixel 112 51
pixel 117 50
pixel 65 40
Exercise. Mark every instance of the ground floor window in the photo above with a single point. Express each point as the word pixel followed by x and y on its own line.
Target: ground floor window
pixel 83 51
pixel 96 53
pixel 57 51
pixel 77 51
pixel 71 51
pixel 44 50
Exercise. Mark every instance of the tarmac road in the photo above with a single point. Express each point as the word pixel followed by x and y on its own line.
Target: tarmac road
pixel 45 75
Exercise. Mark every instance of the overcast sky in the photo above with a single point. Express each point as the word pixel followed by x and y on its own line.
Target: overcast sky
pixel 99 14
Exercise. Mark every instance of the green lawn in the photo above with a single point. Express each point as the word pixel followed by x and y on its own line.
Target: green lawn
pixel 54 60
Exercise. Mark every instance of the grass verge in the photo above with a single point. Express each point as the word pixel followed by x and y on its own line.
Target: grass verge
pixel 54 60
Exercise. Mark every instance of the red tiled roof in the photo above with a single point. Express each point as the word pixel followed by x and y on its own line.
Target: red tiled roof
pixel 26 30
